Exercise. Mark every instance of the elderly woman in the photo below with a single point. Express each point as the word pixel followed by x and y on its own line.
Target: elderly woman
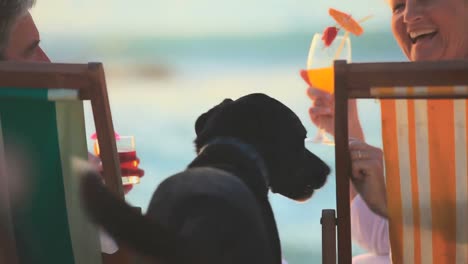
pixel 425 30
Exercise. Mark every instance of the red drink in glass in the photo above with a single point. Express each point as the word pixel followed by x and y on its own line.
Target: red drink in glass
pixel 128 159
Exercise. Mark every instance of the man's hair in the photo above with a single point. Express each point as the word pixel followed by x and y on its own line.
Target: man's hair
pixel 10 11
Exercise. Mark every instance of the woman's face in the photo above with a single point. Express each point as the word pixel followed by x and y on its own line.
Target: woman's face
pixel 431 29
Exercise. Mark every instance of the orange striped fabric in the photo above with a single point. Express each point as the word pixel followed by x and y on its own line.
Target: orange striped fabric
pixel 409 92
pixel 425 146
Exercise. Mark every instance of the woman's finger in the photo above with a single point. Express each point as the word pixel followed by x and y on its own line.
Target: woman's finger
pixel 322 103
pixel 356 144
pixel 315 94
pixel 363 155
pixel 318 110
pixel 366 152
pixel 361 169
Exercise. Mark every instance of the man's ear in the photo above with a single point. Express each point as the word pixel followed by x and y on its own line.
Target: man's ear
pixel 202 119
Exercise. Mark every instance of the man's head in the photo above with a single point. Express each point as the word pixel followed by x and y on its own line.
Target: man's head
pixel 10 12
pixel 23 44
pixel 19 38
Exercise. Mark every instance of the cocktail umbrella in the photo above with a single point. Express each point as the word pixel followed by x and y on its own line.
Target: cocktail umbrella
pixel 345 22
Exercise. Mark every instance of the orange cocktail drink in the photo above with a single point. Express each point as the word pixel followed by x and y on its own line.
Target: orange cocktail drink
pixel 320 78
pixel 319 72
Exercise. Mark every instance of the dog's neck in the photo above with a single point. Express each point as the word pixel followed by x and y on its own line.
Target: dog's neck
pixel 238 158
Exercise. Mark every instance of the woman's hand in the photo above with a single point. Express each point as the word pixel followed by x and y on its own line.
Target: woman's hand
pixel 368 175
pixel 322 113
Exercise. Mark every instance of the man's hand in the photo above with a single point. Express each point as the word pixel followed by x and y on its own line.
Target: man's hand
pixel 124 170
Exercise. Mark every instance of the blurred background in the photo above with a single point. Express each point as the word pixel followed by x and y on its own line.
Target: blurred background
pixel 168 61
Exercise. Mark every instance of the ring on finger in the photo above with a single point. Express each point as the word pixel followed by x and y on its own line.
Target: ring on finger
pixel 361 155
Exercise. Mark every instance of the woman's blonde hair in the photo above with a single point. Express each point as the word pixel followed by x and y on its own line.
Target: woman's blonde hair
pixel 10 11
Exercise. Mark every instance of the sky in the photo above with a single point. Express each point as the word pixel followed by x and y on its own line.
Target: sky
pixel 199 17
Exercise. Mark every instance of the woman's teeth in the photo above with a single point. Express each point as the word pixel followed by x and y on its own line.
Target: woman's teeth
pixel 418 34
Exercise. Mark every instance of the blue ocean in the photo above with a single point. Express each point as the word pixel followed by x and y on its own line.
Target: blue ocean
pixel 159 86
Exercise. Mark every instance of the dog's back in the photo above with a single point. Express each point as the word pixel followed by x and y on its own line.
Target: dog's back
pixel 215 215
pixel 202 215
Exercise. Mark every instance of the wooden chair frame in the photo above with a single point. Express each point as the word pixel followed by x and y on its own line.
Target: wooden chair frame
pixel 355 80
pixel 89 81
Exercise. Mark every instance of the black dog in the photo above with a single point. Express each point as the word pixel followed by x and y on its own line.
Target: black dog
pixel 217 211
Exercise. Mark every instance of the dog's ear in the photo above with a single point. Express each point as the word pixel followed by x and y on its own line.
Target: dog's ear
pixel 201 120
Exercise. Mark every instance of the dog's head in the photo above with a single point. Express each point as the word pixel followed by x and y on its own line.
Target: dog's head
pixel 277 134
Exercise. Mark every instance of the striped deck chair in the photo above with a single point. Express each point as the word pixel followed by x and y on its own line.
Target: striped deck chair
pixel 424 131
pixel 41 117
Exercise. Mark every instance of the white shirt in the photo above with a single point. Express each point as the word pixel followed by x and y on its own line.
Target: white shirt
pixel 370 231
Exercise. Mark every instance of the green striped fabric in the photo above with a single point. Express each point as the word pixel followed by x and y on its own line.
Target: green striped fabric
pixel 49 226
pixel 39 94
